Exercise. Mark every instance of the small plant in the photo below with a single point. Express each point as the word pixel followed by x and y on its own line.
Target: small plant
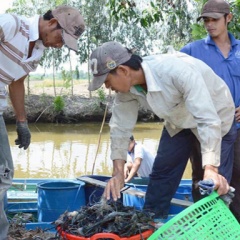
pixel 58 103
pixel 101 94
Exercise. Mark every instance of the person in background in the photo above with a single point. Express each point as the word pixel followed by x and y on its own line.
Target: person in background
pixel 22 44
pixel 221 51
pixel 141 161
pixel 195 103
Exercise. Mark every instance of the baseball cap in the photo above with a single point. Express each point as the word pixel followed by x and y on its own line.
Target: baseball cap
pixel 72 23
pixel 104 59
pixel 215 9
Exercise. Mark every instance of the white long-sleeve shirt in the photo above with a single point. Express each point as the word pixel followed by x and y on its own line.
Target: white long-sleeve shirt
pixel 187 94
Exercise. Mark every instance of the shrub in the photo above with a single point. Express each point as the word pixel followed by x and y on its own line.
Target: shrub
pixel 58 103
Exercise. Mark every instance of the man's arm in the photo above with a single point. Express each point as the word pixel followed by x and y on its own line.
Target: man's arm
pixel 17 94
pixel 116 183
pixel 134 169
pixel 123 120
pixel 199 101
pixel 127 168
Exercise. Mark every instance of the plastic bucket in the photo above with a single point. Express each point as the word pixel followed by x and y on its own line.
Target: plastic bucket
pixel 134 201
pixel 56 197
pixel 93 193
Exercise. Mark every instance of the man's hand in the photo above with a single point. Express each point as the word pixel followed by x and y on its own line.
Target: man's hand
pixel 116 183
pixel 221 184
pixel 24 135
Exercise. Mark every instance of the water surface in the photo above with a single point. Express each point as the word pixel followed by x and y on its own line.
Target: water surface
pixel 69 150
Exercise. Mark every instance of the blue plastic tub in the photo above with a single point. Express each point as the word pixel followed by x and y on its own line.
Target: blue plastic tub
pixel 56 197
pixel 93 193
pixel 134 201
pixel 183 192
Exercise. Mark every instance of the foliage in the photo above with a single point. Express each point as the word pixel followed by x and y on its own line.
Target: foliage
pixel 58 103
pixel 67 78
pixel 167 20
pixel 101 95
pixel 198 31
pixel 150 26
pixel 234 26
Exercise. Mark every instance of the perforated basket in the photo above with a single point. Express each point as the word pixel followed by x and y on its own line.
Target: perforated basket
pixel 207 219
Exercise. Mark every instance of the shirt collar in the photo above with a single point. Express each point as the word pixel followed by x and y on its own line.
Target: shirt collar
pixel 34 28
pixel 152 85
pixel 208 40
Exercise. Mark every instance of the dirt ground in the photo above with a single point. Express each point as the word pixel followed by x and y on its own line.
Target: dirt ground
pixel 79 88
pixel 81 106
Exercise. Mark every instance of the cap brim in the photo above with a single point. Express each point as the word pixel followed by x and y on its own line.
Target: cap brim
pixel 211 15
pixel 97 82
pixel 70 41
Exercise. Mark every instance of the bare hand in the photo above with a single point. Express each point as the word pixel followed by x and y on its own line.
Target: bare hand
pixel 114 185
pixel 221 184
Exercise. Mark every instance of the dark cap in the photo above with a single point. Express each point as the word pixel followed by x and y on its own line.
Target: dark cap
pixel 215 9
pixel 72 23
pixel 104 59
pixel 131 138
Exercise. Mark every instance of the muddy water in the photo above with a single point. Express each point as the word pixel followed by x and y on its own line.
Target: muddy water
pixel 69 151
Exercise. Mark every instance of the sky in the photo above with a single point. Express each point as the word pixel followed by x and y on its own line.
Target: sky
pixel 5 4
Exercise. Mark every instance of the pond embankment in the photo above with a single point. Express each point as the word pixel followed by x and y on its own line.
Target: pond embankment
pixel 41 108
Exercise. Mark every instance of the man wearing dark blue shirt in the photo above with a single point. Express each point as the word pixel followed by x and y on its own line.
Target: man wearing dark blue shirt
pixel 221 51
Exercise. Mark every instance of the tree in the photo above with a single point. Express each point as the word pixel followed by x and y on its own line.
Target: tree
pixel 172 19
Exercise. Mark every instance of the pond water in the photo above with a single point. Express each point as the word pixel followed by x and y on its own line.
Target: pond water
pixel 69 150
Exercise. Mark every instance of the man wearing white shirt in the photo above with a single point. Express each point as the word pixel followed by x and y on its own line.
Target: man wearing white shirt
pixel 195 103
pixel 141 161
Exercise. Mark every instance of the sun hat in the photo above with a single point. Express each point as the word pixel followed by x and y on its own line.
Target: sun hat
pixel 104 59
pixel 72 23
pixel 215 9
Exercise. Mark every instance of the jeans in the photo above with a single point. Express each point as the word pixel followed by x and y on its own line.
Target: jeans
pixel 169 165
pixel 6 176
pixel 235 182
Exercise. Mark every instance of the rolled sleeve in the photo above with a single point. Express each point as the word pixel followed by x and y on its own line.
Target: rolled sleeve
pixel 122 123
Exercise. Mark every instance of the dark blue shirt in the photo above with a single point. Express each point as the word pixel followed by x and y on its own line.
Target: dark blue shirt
pixel 226 68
